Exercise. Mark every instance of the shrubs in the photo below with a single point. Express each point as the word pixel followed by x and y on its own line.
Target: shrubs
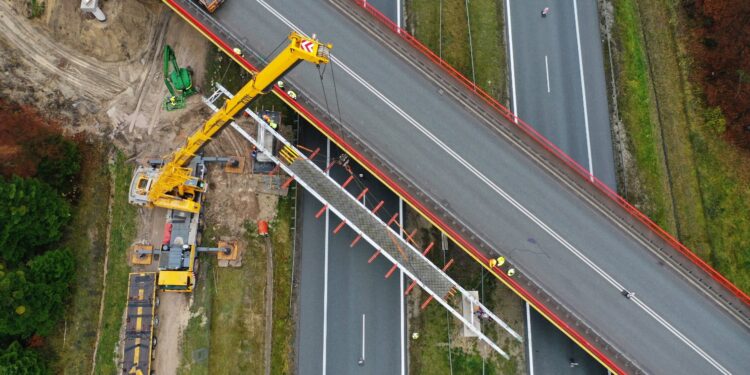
pixel 32 216
pixel 35 274
pixel 17 360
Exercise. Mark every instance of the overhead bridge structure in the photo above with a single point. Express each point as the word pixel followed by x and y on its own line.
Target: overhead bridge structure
pixel 366 224
pixel 496 187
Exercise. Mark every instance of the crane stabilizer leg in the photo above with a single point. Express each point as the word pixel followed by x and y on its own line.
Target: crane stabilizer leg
pixel 173 185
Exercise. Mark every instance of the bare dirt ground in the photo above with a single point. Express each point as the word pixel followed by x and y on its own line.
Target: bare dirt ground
pixel 174 313
pixel 105 80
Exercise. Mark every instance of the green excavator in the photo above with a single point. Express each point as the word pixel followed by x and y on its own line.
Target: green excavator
pixel 179 81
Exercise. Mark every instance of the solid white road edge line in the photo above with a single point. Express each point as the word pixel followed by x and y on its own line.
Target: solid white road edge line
pixel 325 270
pixel 546 70
pixel 583 92
pixel 528 339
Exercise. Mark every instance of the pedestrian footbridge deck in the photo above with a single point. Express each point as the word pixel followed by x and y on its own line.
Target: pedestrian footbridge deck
pixel 372 229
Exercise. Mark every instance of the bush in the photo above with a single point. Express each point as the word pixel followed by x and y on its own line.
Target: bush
pixel 31 300
pixel 54 268
pixel 17 360
pixel 32 216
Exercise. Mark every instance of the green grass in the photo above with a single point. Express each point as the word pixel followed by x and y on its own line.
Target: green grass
pixel 222 69
pixel 122 233
pixel 228 314
pixel 196 338
pixel 709 177
pixel 283 323
pixel 486 18
pixel 86 237
pixel 430 353
pixel 237 315
pixel 651 194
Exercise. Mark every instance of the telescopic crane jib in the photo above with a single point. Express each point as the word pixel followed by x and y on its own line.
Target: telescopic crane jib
pixel 173 186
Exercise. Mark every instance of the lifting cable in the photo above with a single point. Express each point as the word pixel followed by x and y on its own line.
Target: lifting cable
pixel 335 92
pixel 322 72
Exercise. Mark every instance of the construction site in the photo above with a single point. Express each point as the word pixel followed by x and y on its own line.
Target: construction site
pixel 260 193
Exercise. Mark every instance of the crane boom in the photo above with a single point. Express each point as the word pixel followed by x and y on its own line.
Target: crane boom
pixel 174 186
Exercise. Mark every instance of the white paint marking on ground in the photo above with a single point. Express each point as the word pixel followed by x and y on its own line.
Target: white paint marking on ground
pixel 512 64
pixel 528 339
pixel 325 270
pixel 546 69
pixel 401 296
pixel 363 337
pixel 583 92
pixel 508 198
pixel 398 13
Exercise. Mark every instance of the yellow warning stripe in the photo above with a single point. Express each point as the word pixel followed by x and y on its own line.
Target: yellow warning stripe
pixel 289 154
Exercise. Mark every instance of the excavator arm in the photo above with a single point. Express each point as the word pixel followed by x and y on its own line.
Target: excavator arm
pixel 174 187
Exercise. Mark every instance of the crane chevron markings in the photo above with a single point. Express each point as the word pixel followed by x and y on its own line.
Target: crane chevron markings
pixel 307 46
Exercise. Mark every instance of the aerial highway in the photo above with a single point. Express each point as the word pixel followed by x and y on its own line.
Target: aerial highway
pixel 337 287
pixel 558 85
pixel 499 192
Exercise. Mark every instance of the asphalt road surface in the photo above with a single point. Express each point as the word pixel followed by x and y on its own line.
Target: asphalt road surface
pixel 438 141
pixel 338 287
pixel 547 92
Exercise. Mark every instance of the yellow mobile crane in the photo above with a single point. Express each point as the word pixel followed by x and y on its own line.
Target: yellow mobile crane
pixel 177 183
pixel 173 186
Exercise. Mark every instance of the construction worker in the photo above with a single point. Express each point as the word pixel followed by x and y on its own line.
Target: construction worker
pixel 273 124
pixel 280 84
pixel 481 314
pixel 499 261
pixel 511 272
pixel 237 52
pixel 292 94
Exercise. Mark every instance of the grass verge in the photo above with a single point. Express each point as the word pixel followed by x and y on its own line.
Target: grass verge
pixel 196 338
pixel 122 232
pixel 282 238
pixel 446 32
pixel 432 353
pixel 72 343
pixel 228 312
pixel 697 189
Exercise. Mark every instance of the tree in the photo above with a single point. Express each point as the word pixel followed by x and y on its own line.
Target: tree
pixel 32 215
pixel 17 360
pixel 55 268
pixel 15 292
pixel 32 300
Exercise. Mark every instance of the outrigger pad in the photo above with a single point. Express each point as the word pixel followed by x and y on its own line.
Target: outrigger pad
pixel 236 164
pixel 233 254
pixel 141 259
